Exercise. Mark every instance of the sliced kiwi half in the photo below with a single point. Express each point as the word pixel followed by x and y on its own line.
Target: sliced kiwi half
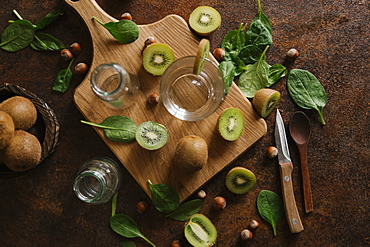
pixel 202 53
pixel 240 180
pixel 204 20
pixel 231 124
pixel 157 57
pixel 265 100
pixel 200 231
pixel 151 135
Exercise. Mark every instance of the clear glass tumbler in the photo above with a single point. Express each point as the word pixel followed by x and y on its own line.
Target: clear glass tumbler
pixel 97 180
pixel 114 85
pixel 188 96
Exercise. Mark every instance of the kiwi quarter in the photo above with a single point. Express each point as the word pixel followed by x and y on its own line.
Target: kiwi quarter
pixel 6 129
pixel 202 53
pixel 231 124
pixel 23 151
pixel 240 180
pixel 157 57
pixel 22 110
pixel 204 20
pixel 200 231
pixel 265 100
pixel 151 135
pixel 191 153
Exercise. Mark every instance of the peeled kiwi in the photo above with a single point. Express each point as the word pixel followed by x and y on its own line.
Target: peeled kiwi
pixel 6 129
pixel 157 57
pixel 202 53
pixel 240 180
pixel 191 153
pixel 231 124
pixel 265 100
pixel 204 20
pixel 22 110
pixel 200 231
pixel 151 135
pixel 23 151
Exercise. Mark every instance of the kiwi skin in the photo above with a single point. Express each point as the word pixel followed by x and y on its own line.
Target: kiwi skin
pixel 265 100
pixel 22 110
pixel 191 153
pixel 7 129
pixel 23 152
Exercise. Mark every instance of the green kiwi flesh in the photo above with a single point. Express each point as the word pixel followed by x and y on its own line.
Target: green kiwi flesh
pixel 231 124
pixel 151 135
pixel 204 20
pixel 240 180
pixel 200 231
pixel 7 129
pixel 23 151
pixel 22 110
pixel 157 57
pixel 265 101
pixel 202 53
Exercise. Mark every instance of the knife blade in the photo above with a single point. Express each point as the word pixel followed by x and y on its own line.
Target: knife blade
pixel 286 168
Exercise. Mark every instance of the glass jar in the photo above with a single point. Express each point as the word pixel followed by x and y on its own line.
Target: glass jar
pixel 97 180
pixel 114 85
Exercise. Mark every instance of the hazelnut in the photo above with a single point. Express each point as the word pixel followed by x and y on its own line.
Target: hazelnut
pixel 254 224
pixel 219 54
pixel 292 53
pixel 153 98
pixel 81 69
pixel 66 55
pixel 126 16
pixel 141 207
pixel 176 243
pixel 201 194
pixel 219 203
pixel 271 152
pixel 246 235
pixel 149 41
pixel 75 48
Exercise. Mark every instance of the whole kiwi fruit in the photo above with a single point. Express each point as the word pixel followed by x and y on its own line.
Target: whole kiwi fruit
pixel 23 152
pixel 6 129
pixel 191 153
pixel 22 110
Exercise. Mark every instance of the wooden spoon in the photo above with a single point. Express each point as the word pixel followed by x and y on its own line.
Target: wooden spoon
pixel 299 128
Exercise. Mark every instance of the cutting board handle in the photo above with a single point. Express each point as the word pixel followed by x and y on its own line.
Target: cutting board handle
pixel 88 8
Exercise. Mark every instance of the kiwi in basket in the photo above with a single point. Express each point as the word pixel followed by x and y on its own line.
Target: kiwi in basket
pixel 6 129
pixel 22 110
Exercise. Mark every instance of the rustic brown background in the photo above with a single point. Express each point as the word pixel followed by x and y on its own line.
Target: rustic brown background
pixel 39 208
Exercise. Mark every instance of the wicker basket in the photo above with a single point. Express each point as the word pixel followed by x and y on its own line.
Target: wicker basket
pixel 46 128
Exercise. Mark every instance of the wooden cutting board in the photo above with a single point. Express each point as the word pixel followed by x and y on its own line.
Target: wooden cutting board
pixel 156 166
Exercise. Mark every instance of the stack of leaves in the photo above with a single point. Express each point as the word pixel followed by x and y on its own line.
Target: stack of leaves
pixel 245 56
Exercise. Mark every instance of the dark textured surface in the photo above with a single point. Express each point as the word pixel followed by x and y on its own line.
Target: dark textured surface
pixel 39 208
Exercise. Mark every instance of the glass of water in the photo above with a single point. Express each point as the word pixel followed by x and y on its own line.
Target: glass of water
pixel 188 96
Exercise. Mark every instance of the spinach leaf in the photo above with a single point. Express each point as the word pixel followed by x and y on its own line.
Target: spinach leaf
pixel 276 72
pixel 260 30
pixel 227 69
pixel 164 197
pixel 63 80
pixel 17 36
pixel 127 244
pixel 114 203
pixel 46 42
pixel 250 53
pixel 127 227
pixel 270 207
pixel 255 77
pixel 48 19
pixel 185 210
pixel 117 128
pixel 306 91
pixel 125 31
pixel 234 41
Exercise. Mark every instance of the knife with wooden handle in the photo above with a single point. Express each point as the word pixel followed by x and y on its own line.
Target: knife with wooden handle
pixel 286 168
